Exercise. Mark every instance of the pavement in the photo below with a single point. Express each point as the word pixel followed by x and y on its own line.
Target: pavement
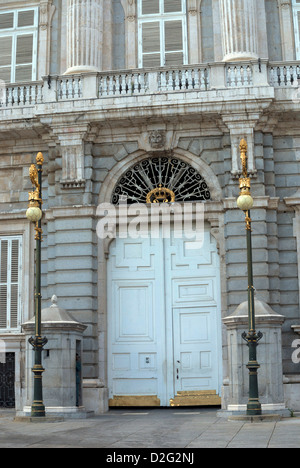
pixel 161 432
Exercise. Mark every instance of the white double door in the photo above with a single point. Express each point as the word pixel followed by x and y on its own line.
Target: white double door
pixel 163 318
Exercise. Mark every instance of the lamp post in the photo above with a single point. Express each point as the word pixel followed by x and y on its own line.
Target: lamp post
pixel 34 214
pixel 245 203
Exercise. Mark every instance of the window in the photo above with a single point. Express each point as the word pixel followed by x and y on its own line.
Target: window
pixel 18 45
pixel 10 282
pixel 162 33
pixel 296 17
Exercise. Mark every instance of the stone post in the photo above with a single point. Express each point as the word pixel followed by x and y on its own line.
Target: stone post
pixel 62 358
pixel 84 36
pixel 239 30
pixel 269 351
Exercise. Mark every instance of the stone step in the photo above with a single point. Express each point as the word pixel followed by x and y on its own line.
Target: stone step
pixel 196 398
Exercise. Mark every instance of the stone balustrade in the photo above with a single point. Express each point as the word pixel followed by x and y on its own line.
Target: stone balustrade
pixel 125 83
pixel 284 74
pixel 239 75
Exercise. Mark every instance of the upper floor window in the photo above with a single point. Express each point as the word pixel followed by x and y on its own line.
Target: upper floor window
pixel 296 16
pixel 162 32
pixel 10 282
pixel 18 45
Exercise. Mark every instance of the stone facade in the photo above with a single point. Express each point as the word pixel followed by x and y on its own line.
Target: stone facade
pixel 91 112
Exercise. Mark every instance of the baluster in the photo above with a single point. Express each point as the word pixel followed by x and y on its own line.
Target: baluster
pixel 71 88
pixel 115 85
pixel 163 81
pixel 76 88
pixel 28 95
pixel 278 76
pixel 239 76
pixel 177 84
pixel 105 89
pixel 293 75
pixel 100 86
pixel 16 95
pixel 111 85
pixel 136 83
pixel 123 84
pixel 202 80
pixel 189 79
pixel 33 94
pixel 207 77
pixel 10 97
pixel 196 78
pixel 63 89
pixel 229 76
pixel 143 82
pixel 39 94
pixel 170 85
pixel 271 76
pixel 21 95
pixel 288 76
pixel 246 76
pixel 281 76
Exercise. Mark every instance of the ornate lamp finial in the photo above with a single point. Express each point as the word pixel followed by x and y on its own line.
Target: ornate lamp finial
pixel 54 301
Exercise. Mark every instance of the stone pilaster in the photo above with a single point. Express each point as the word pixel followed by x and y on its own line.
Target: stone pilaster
pixel 130 9
pixel 84 36
pixel 294 202
pixel 239 30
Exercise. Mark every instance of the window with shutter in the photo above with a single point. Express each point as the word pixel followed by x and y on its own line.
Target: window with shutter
pixel 10 282
pixel 18 45
pixel 162 32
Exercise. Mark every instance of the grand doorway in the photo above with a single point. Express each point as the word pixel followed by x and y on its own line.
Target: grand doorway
pixel 164 343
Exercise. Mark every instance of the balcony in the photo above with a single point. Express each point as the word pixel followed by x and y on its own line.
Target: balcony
pixel 176 82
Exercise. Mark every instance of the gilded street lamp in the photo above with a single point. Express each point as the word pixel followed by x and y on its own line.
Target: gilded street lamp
pixel 245 203
pixel 34 214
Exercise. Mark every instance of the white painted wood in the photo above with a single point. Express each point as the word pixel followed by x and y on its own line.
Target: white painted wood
pixel 136 318
pixel 163 307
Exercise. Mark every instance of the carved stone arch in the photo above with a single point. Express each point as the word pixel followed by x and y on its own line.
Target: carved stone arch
pixel 126 164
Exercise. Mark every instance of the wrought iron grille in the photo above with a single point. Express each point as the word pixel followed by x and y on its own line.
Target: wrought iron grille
pixel 7 381
pixel 161 172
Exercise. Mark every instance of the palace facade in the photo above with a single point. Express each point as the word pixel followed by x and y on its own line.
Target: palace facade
pixel 125 98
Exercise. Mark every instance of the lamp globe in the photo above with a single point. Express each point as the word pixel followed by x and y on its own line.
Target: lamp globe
pixel 34 213
pixel 245 202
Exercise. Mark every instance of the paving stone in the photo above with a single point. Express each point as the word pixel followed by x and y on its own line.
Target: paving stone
pixel 166 429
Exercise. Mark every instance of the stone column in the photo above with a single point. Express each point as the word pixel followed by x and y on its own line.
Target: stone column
pixel 239 30
pixel 84 36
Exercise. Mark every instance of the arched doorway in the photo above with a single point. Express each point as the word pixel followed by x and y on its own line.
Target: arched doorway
pixel 163 299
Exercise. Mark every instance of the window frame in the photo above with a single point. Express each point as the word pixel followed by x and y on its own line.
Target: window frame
pixel 8 283
pixel 296 21
pixel 16 32
pixel 162 18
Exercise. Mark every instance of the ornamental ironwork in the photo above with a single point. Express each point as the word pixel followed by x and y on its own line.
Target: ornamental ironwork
pixel 161 179
pixel 7 381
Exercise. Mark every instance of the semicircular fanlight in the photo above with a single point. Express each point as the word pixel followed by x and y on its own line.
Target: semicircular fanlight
pixel 160 179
